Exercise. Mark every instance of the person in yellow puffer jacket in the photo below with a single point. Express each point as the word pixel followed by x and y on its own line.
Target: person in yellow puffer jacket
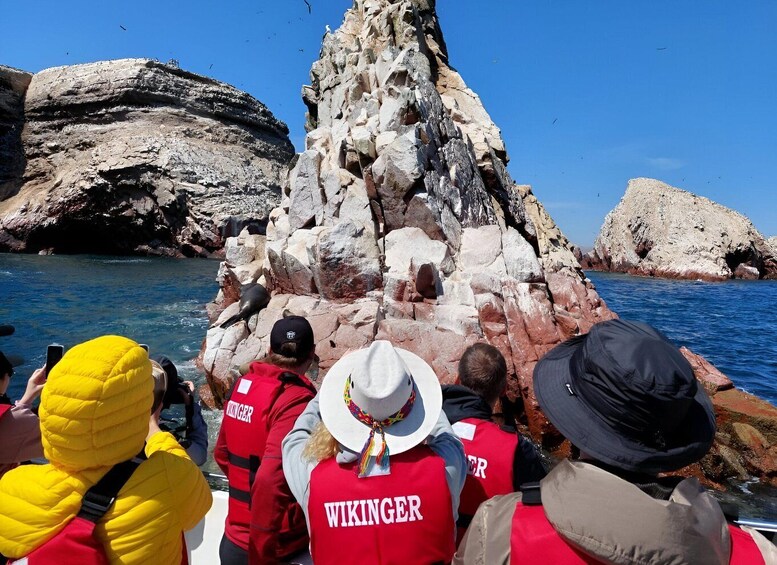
pixel 95 412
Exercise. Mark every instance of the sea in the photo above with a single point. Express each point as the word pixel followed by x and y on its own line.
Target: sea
pixel 161 302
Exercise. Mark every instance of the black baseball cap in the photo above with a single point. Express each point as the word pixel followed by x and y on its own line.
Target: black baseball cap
pixel 292 329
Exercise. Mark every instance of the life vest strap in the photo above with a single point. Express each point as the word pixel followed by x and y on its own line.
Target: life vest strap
pixel 240 495
pixel 530 494
pixel 101 496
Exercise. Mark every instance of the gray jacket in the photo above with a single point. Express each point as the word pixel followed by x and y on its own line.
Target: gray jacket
pixel 19 437
pixel 613 521
pixel 442 440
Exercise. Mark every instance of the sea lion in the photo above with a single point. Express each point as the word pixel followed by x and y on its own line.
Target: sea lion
pixel 253 297
pixel 426 281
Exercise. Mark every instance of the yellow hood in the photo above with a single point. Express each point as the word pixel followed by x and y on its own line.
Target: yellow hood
pixel 96 404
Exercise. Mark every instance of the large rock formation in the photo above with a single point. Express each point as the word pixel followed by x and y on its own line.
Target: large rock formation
pixel 400 222
pixel 13 86
pixel 659 230
pixel 134 156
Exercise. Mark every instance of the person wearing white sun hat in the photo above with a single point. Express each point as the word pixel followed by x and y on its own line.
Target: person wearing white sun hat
pixel 373 460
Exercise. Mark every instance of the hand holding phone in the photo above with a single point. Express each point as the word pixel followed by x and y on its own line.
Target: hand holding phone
pixel 34 386
pixel 54 353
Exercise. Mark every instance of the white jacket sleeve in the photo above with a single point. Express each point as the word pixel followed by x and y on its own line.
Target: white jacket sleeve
pixel 296 469
pixel 445 443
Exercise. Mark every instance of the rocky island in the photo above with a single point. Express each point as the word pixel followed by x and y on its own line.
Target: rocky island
pixel 662 231
pixel 399 221
pixel 133 157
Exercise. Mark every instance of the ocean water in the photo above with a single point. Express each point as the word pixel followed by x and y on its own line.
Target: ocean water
pixel 732 324
pixel 161 302
pixel 70 299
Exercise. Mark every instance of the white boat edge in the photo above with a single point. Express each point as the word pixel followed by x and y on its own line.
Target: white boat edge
pixel 202 541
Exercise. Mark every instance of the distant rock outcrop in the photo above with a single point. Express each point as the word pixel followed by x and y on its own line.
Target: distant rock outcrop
pixel 135 156
pixel 663 231
pixel 13 86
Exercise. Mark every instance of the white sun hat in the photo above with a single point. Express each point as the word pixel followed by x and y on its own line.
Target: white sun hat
pixel 380 392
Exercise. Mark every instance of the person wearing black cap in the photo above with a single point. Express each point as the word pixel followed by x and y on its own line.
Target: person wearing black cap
pixel 19 425
pixel 629 403
pixel 179 391
pixel 264 523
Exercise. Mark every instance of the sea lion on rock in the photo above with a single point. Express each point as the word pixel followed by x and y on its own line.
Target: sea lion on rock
pixel 426 281
pixel 253 297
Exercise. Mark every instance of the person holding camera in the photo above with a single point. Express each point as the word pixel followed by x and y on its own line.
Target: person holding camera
pixel 179 391
pixel 19 425
pixel 264 523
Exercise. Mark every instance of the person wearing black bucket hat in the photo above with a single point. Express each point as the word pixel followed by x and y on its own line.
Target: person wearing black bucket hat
pixel 629 403
pixel 264 523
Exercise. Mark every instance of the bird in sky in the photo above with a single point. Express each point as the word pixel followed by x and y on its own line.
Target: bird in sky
pixel 310 9
pixel 122 27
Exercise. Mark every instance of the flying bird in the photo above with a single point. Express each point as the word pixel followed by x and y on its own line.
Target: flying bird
pixel 310 9
pixel 660 48
pixel 554 120
pixel 211 66
pixel 122 27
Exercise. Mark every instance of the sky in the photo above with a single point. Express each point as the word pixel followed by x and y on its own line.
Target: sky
pixel 587 94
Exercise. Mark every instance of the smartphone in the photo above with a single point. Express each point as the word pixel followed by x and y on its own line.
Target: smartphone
pixel 144 346
pixel 54 353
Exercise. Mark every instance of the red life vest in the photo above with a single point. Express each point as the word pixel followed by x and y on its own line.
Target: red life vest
pixel 4 408
pixel 245 426
pixel 490 455
pixel 76 543
pixel 405 517
pixel 534 541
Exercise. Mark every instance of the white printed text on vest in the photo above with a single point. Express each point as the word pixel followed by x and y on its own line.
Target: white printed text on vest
pixel 373 511
pixel 239 411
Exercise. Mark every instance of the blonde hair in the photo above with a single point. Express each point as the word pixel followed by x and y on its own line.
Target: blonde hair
pixel 321 444
pixel 160 384
pixel 282 361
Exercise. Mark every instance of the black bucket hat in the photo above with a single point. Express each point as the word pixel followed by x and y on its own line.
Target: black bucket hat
pixel 625 395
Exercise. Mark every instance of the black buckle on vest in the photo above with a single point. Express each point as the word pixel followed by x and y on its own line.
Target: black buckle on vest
pixel 530 494
pixel 464 520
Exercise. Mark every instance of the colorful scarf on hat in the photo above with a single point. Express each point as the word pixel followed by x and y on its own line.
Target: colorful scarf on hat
pixel 382 459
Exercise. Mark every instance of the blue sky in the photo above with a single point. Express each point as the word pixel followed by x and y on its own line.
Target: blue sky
pixel 587 94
